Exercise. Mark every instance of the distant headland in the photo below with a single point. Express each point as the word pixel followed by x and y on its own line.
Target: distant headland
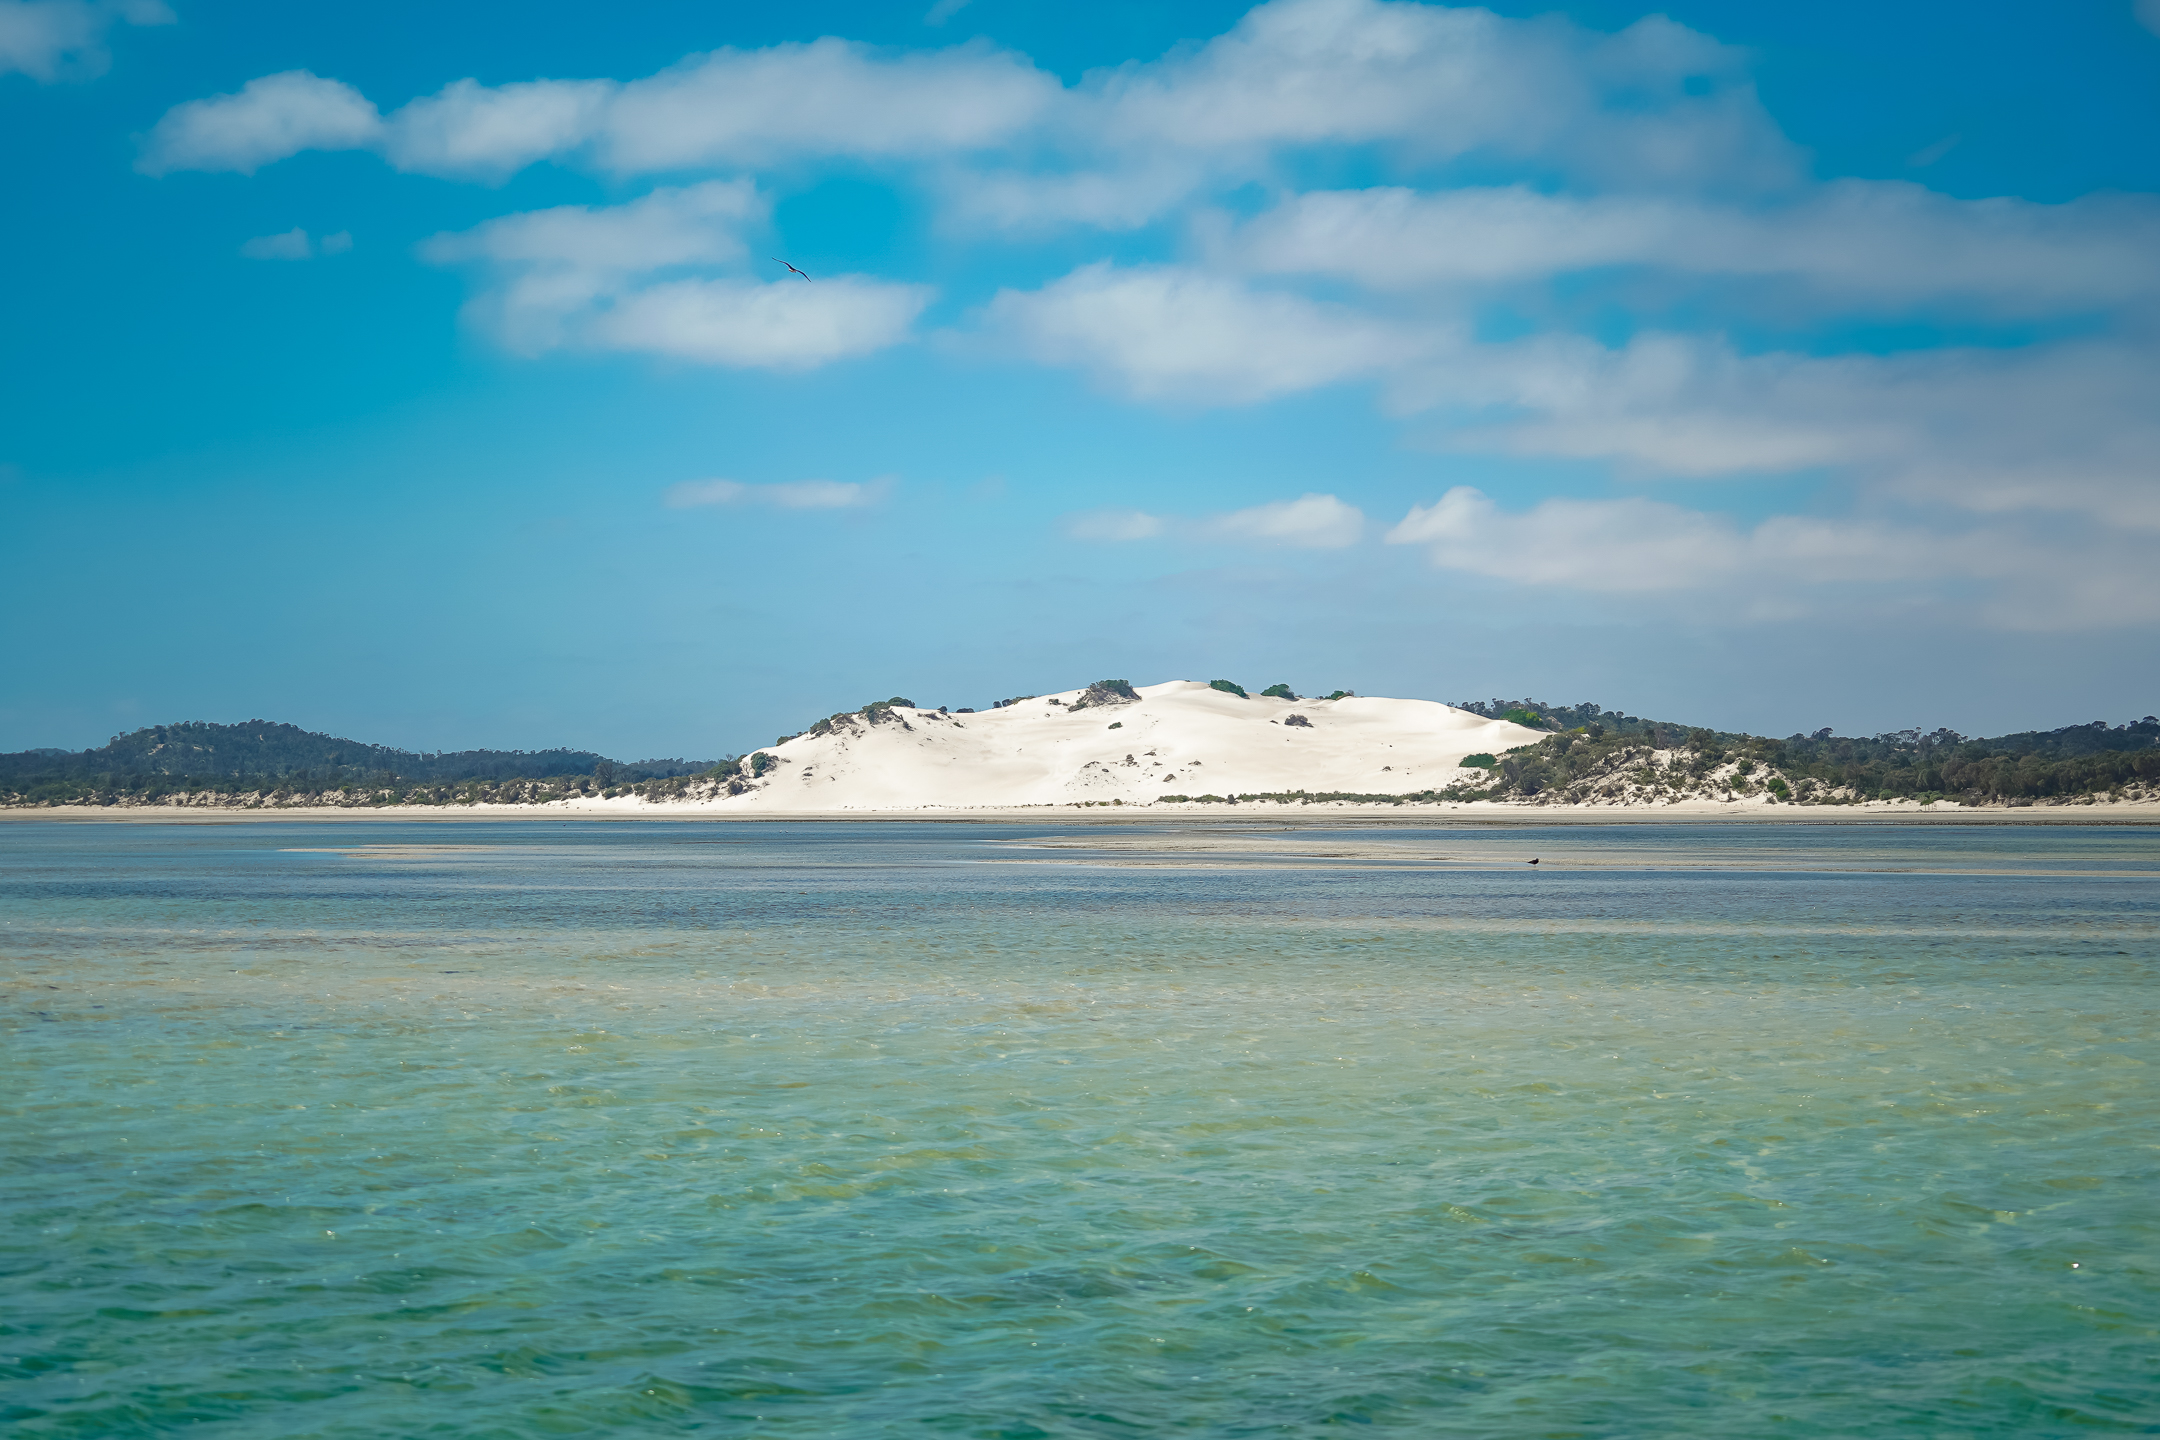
pixel 1165 747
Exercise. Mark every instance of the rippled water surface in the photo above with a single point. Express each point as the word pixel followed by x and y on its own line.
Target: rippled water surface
pixel 563 1129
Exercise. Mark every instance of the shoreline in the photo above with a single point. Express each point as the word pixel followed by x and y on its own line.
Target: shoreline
pixel 1262 813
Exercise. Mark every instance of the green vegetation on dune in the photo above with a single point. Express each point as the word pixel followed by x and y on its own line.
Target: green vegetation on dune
pixel 1641 760
pixel 1107 692
pixel 1538 715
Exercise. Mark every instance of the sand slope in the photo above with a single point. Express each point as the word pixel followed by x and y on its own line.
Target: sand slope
pixel 1179 738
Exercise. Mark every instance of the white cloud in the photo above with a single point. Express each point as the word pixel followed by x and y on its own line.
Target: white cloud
pixel 779 326
pixel 1649 176
pixel 292 244
pixel 53 39
pixel 1643 547
pixel 1170 333
pixel 1873 242
pixel 1018 202
pixel 1655 104
pixel 729 108
pixel 2070 427
pixel 269 119
pixel 788 495
pixel 1442 82
pixel 694 224
pixel 1114 525
pixel 829 97
pixel 488 133
pixel 550 269
pixel 1312 522
pixel 610 278
pixel 1610 545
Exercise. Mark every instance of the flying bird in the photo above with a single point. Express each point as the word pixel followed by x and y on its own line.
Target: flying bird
pixel 778 261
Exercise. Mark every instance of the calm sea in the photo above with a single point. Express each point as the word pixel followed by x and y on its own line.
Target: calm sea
pixel 865 1130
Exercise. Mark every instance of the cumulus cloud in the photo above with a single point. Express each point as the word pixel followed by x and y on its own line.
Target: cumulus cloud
pixel 1634 546
pixel 610 278
pixel 1310 522
pixel 1869 241
pixel 2069 427
pixel 267 120
pixel 1655 106
pixel 830 97
pixel 1627 545
pixel 488 133
pixel 1656 103
pixel 547 272
pixel 1632 174
pixel 1172 333
pixel 787 495
pixel 778 326
pixel 1108 198
pixel 57 39
pixel 692 224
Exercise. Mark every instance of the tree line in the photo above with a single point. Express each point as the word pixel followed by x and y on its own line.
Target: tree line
pixel 261 757
pixel 1593 749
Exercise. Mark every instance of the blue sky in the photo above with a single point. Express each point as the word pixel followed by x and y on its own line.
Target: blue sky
pixel 423 374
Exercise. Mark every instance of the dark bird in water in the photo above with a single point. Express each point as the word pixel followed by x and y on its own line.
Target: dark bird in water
pixel 778 261
pixel 1529 862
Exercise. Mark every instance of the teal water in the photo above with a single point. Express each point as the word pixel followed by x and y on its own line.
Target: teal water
pixel 570 1129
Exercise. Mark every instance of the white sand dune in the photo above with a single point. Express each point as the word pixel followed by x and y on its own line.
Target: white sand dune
pixel 1181 737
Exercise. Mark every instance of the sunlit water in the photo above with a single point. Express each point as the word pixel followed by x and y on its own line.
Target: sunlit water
pixel 868 1130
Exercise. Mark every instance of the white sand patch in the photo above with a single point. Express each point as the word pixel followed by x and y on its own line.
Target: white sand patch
pixel 1181 737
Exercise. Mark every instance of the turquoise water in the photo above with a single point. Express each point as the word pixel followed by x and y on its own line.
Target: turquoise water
pixel 564 1129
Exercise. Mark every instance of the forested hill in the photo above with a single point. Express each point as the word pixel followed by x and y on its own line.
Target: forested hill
pixel 263 754
pixel 1597 752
